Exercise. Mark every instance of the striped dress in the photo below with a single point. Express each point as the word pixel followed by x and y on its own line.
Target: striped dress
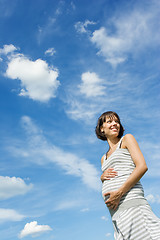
pixel 133 219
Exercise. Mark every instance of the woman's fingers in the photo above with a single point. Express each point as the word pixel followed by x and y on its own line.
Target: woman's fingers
pixel 113 200
pixel 106 194
pixel 110 170
pixel 109 203
pixel 108 174
pixel 112 174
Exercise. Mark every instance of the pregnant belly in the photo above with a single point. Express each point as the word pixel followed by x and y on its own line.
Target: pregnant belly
pixel 115 183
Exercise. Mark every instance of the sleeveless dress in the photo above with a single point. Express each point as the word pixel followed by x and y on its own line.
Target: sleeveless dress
pixel 133 219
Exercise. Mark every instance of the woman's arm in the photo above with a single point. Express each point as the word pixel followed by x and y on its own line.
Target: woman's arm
pixel 131 144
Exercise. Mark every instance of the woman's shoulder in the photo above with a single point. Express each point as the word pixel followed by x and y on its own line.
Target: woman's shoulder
pixel 128 136
pixel 128 139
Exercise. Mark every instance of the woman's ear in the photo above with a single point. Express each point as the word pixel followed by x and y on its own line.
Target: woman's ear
pixel 101 129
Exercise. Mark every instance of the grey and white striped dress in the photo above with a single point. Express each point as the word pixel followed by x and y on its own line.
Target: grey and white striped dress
pixel 133 219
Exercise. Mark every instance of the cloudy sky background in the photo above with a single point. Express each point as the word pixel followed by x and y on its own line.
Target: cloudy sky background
pixel 62 64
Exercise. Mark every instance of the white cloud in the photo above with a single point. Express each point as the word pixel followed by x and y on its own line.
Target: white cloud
pixel 153 198
pixel 10 215
pixel 150 198
pixel 34 229
pixel 42 152
pixel 92 85
pixel 108 234
pixel 12 186
pixel 38 80
pixel 110 47
pixel 50 51
pixel 85 210
pixel 133 32
pixel 104 218
pixel 82 27
pixel 7 49
pixel 88 98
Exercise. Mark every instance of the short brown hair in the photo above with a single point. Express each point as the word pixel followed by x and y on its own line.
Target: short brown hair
pixel 100 122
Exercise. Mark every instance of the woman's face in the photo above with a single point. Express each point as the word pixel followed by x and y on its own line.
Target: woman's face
pixel 111 126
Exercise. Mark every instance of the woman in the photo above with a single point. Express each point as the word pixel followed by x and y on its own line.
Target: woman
pixel 123 166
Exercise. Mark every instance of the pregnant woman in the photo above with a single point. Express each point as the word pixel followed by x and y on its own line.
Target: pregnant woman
pixel 123 166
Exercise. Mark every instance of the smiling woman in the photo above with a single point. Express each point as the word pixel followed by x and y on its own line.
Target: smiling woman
pixel 109 120
pixel 123 166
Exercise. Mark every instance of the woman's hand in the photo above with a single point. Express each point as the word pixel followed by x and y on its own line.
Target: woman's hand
pixel 114 199
pixel 108 174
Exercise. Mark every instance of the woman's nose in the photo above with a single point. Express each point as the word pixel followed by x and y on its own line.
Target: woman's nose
pixel 113 122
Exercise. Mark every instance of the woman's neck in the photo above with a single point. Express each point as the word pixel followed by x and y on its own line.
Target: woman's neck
pixel 112 142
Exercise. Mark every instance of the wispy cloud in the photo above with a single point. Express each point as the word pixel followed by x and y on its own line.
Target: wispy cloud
pixel 50 51
pixel 130 29
pixel 127 34
pixel 38 79
pixel 93 95
pixel 50 24
pixel 104 218
pixel 73 6
pixel 85 210
pixel 153 198
pixel 79 109
pixel 81 27
pixel 12 186
pixel 46 29
pixel 6 9
pixel 33 229
pixel 10 215
pixel 108 235
pixel 60 8
pixel 39 150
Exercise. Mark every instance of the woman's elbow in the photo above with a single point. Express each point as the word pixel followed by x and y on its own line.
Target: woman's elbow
pixel 144 168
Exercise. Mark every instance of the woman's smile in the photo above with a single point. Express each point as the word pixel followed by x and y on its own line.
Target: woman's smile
pixel 114 129
pixel 111 125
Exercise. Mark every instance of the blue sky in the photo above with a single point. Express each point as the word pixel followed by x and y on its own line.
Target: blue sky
pixel 62 64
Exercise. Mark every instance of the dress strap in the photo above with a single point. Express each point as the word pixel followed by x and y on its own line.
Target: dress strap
pixel 120 143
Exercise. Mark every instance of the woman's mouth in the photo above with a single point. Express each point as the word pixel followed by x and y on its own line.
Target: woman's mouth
pixel 114 129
